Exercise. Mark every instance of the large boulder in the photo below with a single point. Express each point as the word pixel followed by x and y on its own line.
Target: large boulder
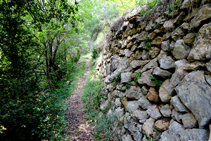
pixel 203 14
pixel 202 47
pixel 177 133
pixel 195 92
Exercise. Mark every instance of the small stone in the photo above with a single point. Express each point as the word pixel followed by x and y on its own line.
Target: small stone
pixel 138 63
pixel 152 95
pixel 189 121
pixel 151 65
pixel 181 51
pixel 132 106
pixel 166 62
pixel 128 52
pixel 162 125
pixel 135 129
pixel 146 78
pixel 157 41
pixel 126 77
pixel 165 45
pixel 145 55
pixel 148 127
pixel 153 111
pixel 178 105
pixel 189 38
pixel 177 34
pixel 124 101
pixel 162 73
pixel 118 102
pixel 176 115
pixel 168 25
pixel 163 91
pixel 104 105
pixel 134 92
pixel 154 51
pixel 141 116
pixel 165 110
pixel 144 103
pixel 127 138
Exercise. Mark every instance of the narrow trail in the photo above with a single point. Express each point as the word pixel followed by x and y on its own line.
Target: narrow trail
pixel 79 130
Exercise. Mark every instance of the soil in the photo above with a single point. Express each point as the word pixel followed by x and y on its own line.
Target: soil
pixel 79 129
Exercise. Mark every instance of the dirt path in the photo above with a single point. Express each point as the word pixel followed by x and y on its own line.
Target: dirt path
pixel 79 130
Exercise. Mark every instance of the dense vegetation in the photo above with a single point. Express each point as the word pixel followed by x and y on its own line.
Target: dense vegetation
pixel 41 42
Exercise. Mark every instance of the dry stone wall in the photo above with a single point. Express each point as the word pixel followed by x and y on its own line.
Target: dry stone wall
pixel 157 74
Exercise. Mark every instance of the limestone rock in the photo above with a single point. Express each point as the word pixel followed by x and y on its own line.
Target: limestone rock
pixel 194 84
pixel 189 38
pixel 177 133
pixel 152 95
pixel 208 65
pixel 162 125
pixel 181 51
pixel 202 48
pixel 145 55
pixel 127 52
pixel 135 129
pixel 177 34
pixel 124 101
pixel 192 14
pixel 118 102
pixel 165 110
pixel 127 138
pixel 189 121
pixel 118 93
pixel 162 73
pixel 144 103
pixel 148 127
pixel 165 45
pixel 178 105
pixel 208 79
pixel 203 14
pixel 188 3
pixel 141 116
pixel 126 77
pixel 146 78
pixel 166 36
pixel 144 90
pixel 132 106
pixel 163 91
pixel 138 63
pixel 168 25
pixel 153 111
pixel 154 51
pixel 134 92
pixel 138 54
pixel 151 65
pixel 176 115
pixel 157 41
pixel 166 62
pixel 141 37
pixel 176 78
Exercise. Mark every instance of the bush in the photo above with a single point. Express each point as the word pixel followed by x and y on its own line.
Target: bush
pixel 94 54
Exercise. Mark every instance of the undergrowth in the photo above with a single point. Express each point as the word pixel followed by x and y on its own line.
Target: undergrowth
pixel 41 116
pixel 91 99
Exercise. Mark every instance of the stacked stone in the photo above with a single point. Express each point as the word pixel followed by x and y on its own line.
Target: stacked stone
pixel 180 56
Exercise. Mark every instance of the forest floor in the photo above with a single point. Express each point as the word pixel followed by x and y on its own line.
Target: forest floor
pixel 79 129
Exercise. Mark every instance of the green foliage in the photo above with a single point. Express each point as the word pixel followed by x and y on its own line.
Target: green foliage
pixel 147 42
pixel 94 53
pixel 156 81
pixel 117 78
pixel 128 84
pixel 172 6
pixel 137 76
